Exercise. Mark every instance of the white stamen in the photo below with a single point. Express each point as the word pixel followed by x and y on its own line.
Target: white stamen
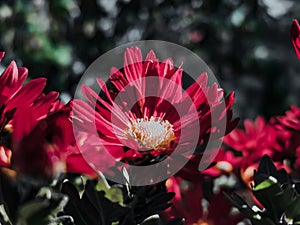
pixel 153 133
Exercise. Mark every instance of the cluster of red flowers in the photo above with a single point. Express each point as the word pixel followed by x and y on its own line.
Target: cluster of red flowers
pixel 35 128
pixel 240 155
pixel 37 137
pixel 279 138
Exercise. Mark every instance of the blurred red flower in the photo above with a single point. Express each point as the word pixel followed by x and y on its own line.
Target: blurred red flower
pixel 225 163
pixel 189 203
pixel 295 37
pixel 13 97
pixel 253 142
pixel 245 147
pixel 291 119
pixel 35 128
pixel 290 125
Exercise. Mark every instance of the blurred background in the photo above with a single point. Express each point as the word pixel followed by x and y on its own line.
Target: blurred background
pixel 246 43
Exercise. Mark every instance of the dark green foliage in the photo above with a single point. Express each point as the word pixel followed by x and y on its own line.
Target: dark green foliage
pixel 92 208
pixel 26 203
pixel 136 205
pixel 278 194
pixel 89 202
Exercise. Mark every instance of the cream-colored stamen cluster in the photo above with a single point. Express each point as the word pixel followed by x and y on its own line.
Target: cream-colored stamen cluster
pixel 153 133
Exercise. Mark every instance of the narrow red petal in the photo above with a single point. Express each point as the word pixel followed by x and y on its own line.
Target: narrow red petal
pixel 2 55
pixel 28 94
pixel 295 37
pixel 22 126
pixel 133 66
pixel 166 68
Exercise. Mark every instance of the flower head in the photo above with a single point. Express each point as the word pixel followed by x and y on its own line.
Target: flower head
pixel 14 97
pixel 144 110
pixel 49 147
pixel 245 147
pixel 36 135
pixel 291 119
pixel 289 124
pixel 189 203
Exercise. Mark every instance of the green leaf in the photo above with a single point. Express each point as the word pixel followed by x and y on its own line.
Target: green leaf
pixel 43 208
pixel 276 199
pixel 93 207
pixel 4 215
pixel 293 210
pixel 114 194
pixel 265 184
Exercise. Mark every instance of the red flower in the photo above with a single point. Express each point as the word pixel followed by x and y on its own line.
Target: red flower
pixel 35 128
pixel 13 97
pixel 289 124
pixel 247 147
pixel 188 203
pixel 291 119
pixel 248 140
pixel 295 37
pixel 259 138
pixel 140 121
pixel 49 147
pixel 225 163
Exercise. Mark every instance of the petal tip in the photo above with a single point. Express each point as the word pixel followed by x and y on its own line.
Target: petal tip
pixel 2 55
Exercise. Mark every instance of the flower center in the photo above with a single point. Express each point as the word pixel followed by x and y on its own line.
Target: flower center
pixel 203 222
pixel 153 133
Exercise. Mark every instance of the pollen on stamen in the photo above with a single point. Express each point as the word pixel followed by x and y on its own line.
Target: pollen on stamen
pixel 153 133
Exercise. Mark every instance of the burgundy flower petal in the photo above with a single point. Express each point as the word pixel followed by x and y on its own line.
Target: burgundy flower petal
pixel 166 68
pixel 11 81
pixel 2 55
pixel 43 151
pixel 28 94
pixel 295 37
pixel 77 164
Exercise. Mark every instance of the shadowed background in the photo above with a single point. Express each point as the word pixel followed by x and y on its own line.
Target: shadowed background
pixel 246 43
